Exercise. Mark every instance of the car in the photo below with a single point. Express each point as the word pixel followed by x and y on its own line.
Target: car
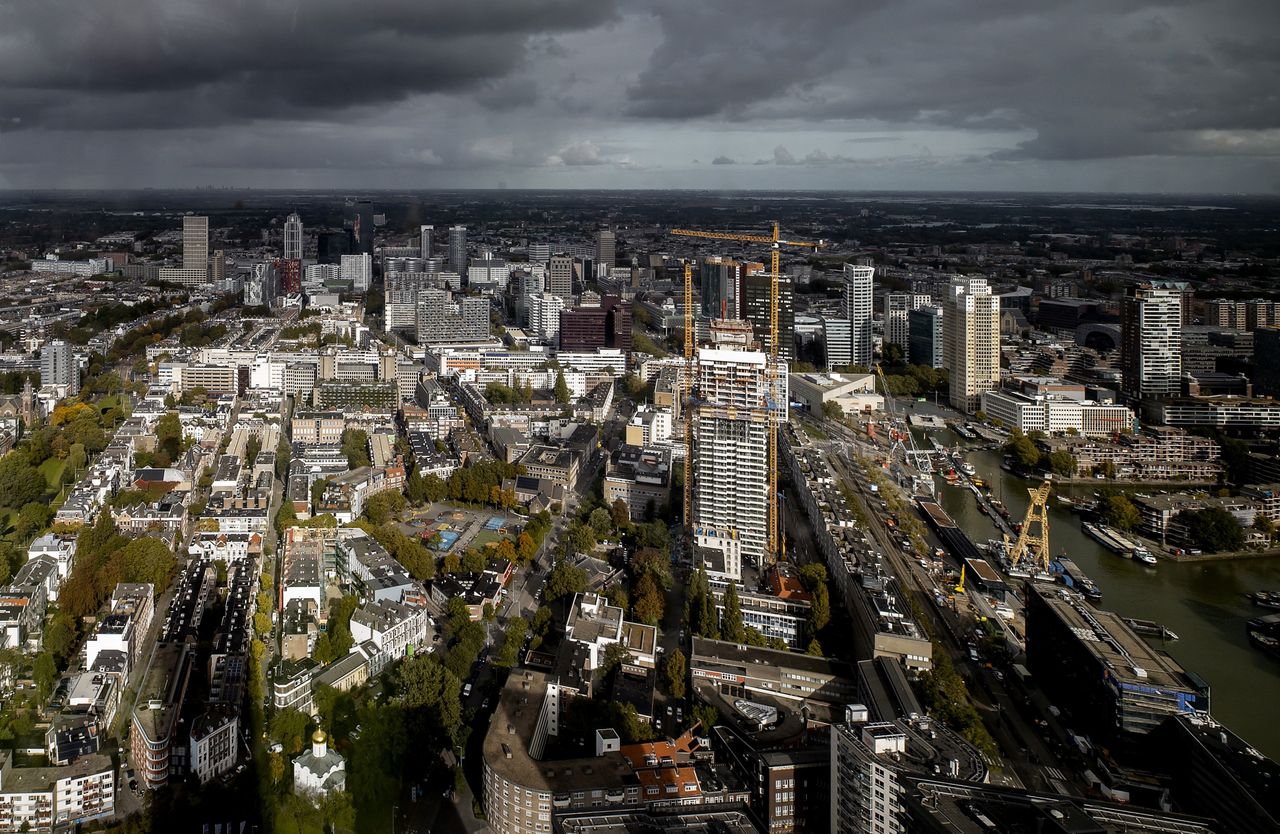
pixel 999 675
pixel 484 704
pixel 466 690
pixel 670 709
pixel 276 748
pixel 240 769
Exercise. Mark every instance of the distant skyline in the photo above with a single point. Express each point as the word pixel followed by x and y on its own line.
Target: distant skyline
pixel 1091 96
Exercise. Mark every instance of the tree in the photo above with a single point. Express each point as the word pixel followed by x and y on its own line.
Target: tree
pixel 289 727
pixel 20 482
pixel 284 455
pixel 561 389
pixel 582 537
pixel 815 648
pixel 819 609
pixel 1213 529
pixel 1121 513
pixel 1264 525
pixel 705 716
pixel 813 574
pixel 620 514
pixel 676 669
pixel 32 518
pixel 731 626
pixel 649 561
pixel 355 445
pixel 44 671
pixel 525 547
pixel 564 580
pixel 601 522
pixel 512 639
pixel 832 410
pixel 262 623
pixel 1062 462
pixel 1024 451
pixel 649 602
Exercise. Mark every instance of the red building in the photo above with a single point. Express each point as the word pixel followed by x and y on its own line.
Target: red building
pixel 588 328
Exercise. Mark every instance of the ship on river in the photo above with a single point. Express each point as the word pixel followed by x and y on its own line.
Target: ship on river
pixel 1070 574
pixel 1110 539
pixel 1265 599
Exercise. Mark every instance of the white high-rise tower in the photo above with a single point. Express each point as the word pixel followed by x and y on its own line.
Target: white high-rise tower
pixel 293 238
pixel 971 341
pixel 857 309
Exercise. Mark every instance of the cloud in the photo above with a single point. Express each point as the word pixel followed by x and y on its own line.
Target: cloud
pixel 782 156
pixel 579 153
pixel 724 160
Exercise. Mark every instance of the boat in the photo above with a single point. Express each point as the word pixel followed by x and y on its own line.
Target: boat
pixel 1264 633
pixel 1149 628
pixel 1265 599
pixel 968 468
pixel 1109 539
pixel 1145 556
pixel 1070 574
pixel 1269 644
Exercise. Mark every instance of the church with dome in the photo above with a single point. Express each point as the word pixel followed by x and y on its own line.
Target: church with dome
pixel 320 770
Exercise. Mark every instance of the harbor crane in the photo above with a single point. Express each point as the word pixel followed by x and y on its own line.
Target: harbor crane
pixel 1034 547
pixel 775 548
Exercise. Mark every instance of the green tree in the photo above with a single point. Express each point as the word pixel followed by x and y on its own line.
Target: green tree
pixel 1062 462
pixel 20 482
pixel 819 609
pixel 355 445
pixel 620 514
pixel 649 602
pixel 1024 451
pixel 582 537
pixel 601 522
pixel 731 626
pixel 284 455
pixel 561 389
pixel 1213 529
pixel 832 410
pixel 1121 513
pixel 513 637
pixel 813 574
pixel 649 561
pixel 564 580
pixel 44 671
pixel 814 648
pixel 675 670
pixel 289 727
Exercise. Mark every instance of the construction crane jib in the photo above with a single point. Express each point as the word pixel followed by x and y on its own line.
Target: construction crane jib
pixel 776 548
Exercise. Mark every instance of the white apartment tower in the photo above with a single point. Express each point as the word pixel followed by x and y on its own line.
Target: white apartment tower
pixel 897 308
pixel 731 449
pixel 1151 341
pixel 458 249
pixel 971 341
pixel 857 309
pixel 293 238
pixel 358 269
pixel 544 316
pixel 58 366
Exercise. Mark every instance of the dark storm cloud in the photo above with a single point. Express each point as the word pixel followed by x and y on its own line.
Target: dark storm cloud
pixel 180 63
pixel 1092 79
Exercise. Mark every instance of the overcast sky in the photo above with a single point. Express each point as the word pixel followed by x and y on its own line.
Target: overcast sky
pixel 1089 95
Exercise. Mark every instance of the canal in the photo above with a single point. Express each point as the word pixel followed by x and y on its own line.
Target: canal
pixel 1202 602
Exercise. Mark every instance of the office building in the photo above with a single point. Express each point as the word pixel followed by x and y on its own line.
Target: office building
pixel 755 293
pixel 1114 686
pixel 1217 774
pixel 560 277
pixel 897 309
pixel 789 781
pixel 289 271
pixel 332 245
pixel 857 309
pixel 1150 341
pixel 362 226
pixel 731 448
pixel 358 269
pixel 195 254
pixel 1266 374
pixel 872 763
pixel 425 233
pixel 445 317
pixel 58 366
pixel 607 325
pixel 971 341
pixel 925 336
pixel 458 249
pixel 400 300
pixel 262 287
pixel 293 238
pixel 606 249
pixel 837 341
pixel 1242 315
pixel 719 284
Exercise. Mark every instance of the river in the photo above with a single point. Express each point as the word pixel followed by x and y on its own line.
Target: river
pixel 1202 602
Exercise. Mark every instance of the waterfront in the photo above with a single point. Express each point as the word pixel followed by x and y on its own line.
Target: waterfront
pixel 1202 602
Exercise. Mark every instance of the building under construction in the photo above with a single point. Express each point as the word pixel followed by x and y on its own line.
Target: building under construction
pixel 1115 685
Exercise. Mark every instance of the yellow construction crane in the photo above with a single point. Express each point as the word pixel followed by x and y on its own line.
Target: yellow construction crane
pixel 1034 547
pixel 775 548
pixel 960 588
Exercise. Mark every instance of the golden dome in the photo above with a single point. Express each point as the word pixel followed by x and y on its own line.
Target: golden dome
pixel 318 736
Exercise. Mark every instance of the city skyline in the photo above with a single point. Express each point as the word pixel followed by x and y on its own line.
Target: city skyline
pixel 1139 98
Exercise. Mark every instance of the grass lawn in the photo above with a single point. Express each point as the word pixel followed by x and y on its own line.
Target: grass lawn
pixel 52 471
pixel 485 536
pixel 814 432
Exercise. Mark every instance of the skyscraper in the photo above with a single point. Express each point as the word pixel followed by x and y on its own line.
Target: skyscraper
pixel 444 318
pixel 971 341
pixel 731 449
pixel 896 307
pixel 603 325
pixel 458 249
pixel 1150 340
pixel 362 226
pixel 560 277
pixel 857 309
pixel 195 242
pixel 293 238
pixel 719 285
pixel 754 299
pixel 925 336
pixel 425 234
pixel 606 249
pixel 331 246
pixel 58 367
